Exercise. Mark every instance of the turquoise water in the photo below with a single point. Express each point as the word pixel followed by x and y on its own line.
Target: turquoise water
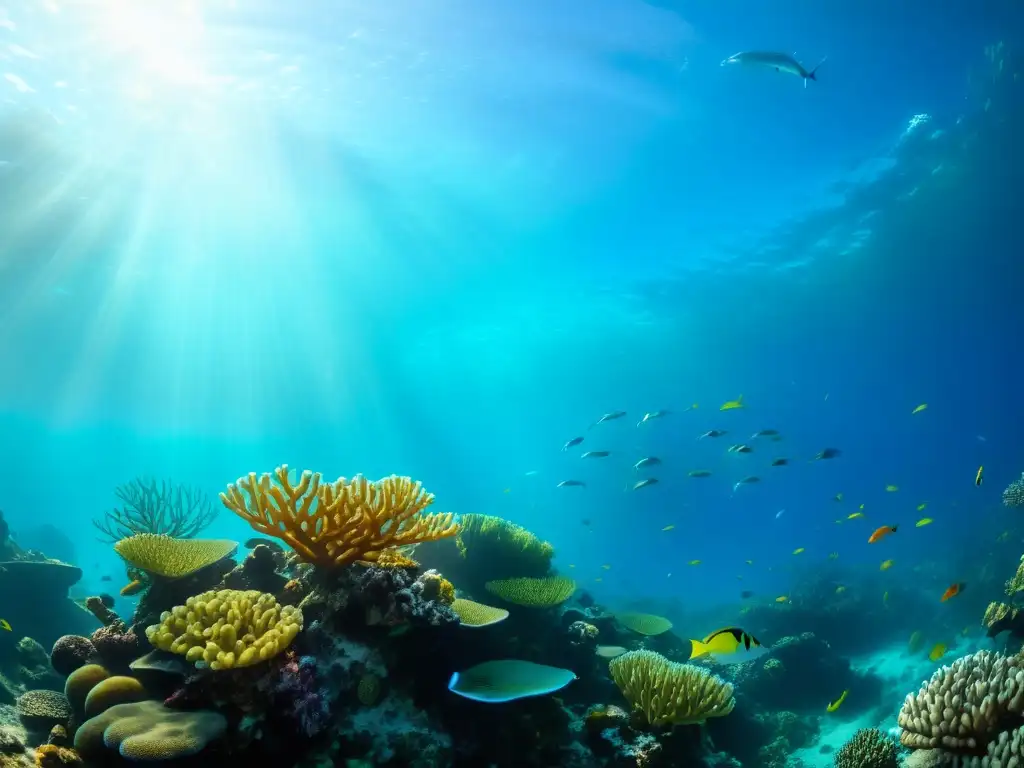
pixel 441 240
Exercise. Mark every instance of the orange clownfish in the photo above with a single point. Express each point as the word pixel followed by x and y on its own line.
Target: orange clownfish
pixel 953 591
pixel 882 532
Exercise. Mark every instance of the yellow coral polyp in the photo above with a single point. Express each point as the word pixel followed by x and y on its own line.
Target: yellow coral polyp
pixel 334 524
pixel 227 628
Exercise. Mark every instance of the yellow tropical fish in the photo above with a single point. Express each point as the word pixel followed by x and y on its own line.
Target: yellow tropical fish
pixel 892 488
pixel 838 702
pixel 885 566
pixel 782 599
pixel 855 516
pixel 798 550
pixel 730 405
pixel 695 562
pixel 921 507
pixel 937 652
pixel 668 528
pixel 921 407
pixel 923 522
pixel 5 625
pixel 840 589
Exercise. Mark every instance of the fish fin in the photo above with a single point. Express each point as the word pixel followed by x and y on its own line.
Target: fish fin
pixel 698 649
pixel 811 75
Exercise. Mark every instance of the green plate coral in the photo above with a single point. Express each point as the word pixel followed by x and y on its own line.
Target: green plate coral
pixel 534 593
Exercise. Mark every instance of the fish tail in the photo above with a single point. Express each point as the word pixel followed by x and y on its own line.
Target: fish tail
pixel 698 649
pixel 812 75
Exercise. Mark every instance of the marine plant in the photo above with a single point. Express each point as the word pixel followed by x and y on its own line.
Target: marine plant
pixel 334 524
pixel 666 693
pixel 163 507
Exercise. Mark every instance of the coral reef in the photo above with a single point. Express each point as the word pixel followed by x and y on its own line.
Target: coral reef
pixel 166 508
pixel 869 748
pixel 71 652
pixel 171 558
pixel 965 705
pixel 227 628
pixel 149 731
pixel 1013 495
pixel 334 524
pixel 533 593
pixel 668 693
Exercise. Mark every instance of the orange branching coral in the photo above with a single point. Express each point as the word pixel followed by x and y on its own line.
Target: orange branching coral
pixel 334 524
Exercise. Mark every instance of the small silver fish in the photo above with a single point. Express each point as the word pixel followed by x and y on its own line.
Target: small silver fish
pixel 595 454
pixel 652 415
pixel 741 449
pixel 765 433
pixel 746 481
pixel 780 462
pixel 610 651
pixel 644 483
pixel 609 417
pixel 650 461
pixel 780 62
pixel 571 484
pixel 699 473
pixel 714 433
pixel 571 443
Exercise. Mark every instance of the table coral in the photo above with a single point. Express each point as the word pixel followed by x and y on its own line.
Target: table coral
pixel 41 710
pixel 533 593
pixel 227 628
pixel 172 558
pixel 667 693
pixel 334 524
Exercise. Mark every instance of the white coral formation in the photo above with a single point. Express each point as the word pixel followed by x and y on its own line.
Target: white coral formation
pixel 1007 751
pixel 964 704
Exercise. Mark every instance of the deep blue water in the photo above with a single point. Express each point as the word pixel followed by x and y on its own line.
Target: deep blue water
pixel 440 240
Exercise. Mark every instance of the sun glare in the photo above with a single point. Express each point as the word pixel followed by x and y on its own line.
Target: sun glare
pixel 165 40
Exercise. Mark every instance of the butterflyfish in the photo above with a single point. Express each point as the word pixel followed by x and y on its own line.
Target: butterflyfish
pixel 953 591
pixel 881 533
pixel 833 706
pixel 729 646
pixel 782 599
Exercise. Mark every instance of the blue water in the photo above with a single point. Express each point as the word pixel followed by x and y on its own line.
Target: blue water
pixel 442 239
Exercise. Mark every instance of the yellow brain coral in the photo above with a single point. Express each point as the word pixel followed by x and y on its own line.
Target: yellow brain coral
pixel 170 557
pixel 227 628
pixel 333 524
pixel 666 693
pixel 535 593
